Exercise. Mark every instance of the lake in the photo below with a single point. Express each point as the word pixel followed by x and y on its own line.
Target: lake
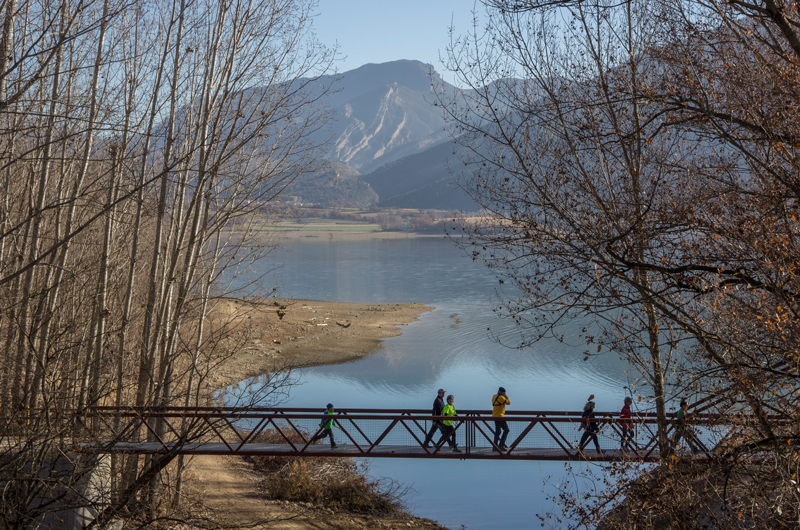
pixel 454 347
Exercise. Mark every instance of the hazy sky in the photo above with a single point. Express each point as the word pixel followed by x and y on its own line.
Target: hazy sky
pixel 377 31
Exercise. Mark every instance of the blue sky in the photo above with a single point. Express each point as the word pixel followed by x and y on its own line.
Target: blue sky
pixel 377 31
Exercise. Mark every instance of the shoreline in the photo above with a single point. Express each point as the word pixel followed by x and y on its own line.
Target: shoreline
pixel 296 334
pixel 280 334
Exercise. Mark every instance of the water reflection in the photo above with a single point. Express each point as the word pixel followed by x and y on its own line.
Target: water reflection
pixel 432 354
pixel 452 348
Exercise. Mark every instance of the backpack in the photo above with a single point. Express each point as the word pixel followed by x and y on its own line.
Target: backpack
pixel 585 419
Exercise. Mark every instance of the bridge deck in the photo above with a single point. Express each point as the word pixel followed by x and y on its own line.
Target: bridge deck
pixel 391 451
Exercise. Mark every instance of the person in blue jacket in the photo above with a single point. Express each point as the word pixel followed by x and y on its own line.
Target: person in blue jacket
pixel 327 425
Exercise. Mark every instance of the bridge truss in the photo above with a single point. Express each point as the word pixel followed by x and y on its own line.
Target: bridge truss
pixel 386 433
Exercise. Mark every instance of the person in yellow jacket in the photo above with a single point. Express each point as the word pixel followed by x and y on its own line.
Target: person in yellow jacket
pixel 447 426
pixel 499 402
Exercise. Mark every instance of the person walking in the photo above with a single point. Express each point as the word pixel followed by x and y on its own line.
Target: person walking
pixel 627 425
pixel 682 430
pixel 438 407
pixel 327 425
pixel 499 402
pixel 447 426
pixel 589 427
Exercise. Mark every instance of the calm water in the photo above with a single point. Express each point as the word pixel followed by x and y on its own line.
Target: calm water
pixel 450 347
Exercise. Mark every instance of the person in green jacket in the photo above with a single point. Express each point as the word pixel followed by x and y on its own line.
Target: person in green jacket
pixel 682 430
pixel 327 425
pixel 447 426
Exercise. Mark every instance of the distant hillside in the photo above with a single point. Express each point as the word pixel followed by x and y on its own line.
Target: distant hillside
pixel 422 180
pixel 332 184
pixel 384 126
pixel 382 113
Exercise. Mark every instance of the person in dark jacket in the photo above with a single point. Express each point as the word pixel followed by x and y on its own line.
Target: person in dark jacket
pixel 589 427
pixel 436 425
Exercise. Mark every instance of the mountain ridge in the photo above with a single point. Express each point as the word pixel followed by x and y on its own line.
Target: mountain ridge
pixel 384 114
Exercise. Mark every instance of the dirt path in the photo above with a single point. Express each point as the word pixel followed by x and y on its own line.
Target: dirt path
pixel 230 488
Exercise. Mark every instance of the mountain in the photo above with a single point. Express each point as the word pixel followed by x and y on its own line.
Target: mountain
pixel 332 184
pixel 386 127
pixel 414 75
pixel 383 112
pixel 422 180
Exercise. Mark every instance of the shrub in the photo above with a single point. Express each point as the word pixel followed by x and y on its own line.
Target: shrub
pixel 272 464
pixel 336 483
pixel 389 221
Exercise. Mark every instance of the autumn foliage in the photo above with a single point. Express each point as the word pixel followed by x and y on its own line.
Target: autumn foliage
pixel 639 161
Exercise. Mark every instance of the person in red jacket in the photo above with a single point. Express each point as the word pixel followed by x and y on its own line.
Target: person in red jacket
pixel 627 426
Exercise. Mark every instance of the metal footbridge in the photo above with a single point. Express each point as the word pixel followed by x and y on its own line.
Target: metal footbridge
pixel 385 433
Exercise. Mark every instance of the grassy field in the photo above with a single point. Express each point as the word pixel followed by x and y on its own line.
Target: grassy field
pixel 331 225
pixel 354 227
pixel 368 224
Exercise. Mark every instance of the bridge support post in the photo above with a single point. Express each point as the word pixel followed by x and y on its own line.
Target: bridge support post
pixel 469 435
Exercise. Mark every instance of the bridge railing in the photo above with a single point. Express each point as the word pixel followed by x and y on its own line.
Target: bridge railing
pixel 402 432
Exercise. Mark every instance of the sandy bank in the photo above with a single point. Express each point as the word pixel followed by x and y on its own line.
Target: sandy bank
pixel 301 333
pixel 296 333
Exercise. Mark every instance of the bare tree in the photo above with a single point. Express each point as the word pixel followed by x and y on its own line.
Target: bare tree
pixel 135 137
pixel 644 172
pixel 564 157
